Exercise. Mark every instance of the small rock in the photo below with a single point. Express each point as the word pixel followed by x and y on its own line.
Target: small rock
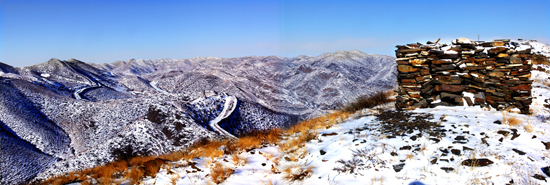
pixel 322 152
pixel 329 134
pixel 405 148
pixel 546 170
pixel 503 132
pixel 455 151
pixel 393 153
pixel 518 151
pixel 460 138
pixel 446 160
pixel 540 177
pixel 466 148
pixel 435 139
pixel 514 134
pixel 477 162
pixel 546 144
pixel 398 167
pixel 263 164
pixel 501 139
pixel 433 161
pixel 413 138
pixel 534 136
pixel 484 141
pixel 447 169
pixel 497 122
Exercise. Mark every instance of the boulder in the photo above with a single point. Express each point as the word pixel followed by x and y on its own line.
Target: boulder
pixel 546 171
pixel 477 162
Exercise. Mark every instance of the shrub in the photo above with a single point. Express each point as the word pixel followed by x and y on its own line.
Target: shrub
pixel 364 102
pixel 219 173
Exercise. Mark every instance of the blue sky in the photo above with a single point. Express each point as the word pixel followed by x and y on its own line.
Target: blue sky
pixel 32 32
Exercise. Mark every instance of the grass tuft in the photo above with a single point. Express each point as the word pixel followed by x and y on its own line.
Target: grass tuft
pixel 297 173
pixel 135 175
pixel 364 102
pixel 219 173
pixel 510 120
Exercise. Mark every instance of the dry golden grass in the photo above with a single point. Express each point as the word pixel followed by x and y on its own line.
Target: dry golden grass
pixel 62 179
pixel 237 159
pixel 294 173
pixel 363 102
pixel 377 180
pixel 105 176
pixel 247 143
pixel 266 182
pixel 529 128
pixel 135 175
pixel 510 120
pixel 219 173
pixel 174 179
pixel 152 167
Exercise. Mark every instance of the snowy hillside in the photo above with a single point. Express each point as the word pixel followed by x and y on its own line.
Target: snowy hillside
pixel 362 151
pixel 62 116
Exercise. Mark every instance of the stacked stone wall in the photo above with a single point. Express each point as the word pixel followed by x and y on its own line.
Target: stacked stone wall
pixel 481 73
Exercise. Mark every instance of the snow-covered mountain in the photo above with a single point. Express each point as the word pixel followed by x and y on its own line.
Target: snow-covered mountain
pixel 291 85
pixel 62 116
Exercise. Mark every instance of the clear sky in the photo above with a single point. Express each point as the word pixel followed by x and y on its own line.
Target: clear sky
pixel 32 32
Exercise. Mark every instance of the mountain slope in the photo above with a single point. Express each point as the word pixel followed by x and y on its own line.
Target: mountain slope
pixel 67 115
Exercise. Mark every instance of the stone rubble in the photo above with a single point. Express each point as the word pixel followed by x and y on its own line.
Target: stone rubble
pixel 481 73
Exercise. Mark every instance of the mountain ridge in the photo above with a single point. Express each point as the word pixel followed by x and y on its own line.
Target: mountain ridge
pixel 95 111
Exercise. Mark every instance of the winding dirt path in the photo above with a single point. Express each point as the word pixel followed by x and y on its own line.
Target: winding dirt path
pixel 228 108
